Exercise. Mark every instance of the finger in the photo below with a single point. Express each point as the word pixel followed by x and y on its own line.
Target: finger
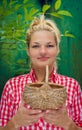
pixel 34 112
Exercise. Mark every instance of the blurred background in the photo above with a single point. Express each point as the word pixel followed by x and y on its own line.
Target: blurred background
pixel 15 17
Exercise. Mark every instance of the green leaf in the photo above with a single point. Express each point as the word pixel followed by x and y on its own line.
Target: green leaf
pixel 69 35
pixel 56 15
pixel 19 17
pixel 45 8
pixel 28 15
pixel 33 11
pixel 25 13
pixel 28 5
pixel 57 4
pixel 22 40
pixel 11 3
pixel 17 6
pixel 64 12
pixel 66 31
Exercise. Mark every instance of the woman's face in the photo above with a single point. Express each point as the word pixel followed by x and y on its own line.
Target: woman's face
pixel 42 49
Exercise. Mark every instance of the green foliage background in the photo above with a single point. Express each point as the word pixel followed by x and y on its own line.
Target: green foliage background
pixel 15 17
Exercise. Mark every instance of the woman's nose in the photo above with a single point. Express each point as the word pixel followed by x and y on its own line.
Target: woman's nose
pixel 43 50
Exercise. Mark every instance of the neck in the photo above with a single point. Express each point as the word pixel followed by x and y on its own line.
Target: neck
pixel 41 73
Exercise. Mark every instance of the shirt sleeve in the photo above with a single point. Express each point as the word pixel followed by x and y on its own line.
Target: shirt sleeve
pixel 7 104
pixel 76 108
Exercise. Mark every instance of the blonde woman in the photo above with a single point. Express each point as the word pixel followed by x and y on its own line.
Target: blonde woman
pixel 43 38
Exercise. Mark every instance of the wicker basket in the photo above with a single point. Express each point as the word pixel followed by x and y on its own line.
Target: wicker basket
pixel 44 96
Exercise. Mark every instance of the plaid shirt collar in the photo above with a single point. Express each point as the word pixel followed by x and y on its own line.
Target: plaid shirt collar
pixel 52 77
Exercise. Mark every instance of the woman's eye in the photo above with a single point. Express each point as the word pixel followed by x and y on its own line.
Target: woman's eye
pixel 35 46
pixel 50 45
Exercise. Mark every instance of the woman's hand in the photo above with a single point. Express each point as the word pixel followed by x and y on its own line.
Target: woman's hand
pixel 25 117
pixel 58 117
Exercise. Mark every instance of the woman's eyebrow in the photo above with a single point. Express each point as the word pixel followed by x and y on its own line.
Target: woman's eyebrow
pixel 50 42
pixel 36 42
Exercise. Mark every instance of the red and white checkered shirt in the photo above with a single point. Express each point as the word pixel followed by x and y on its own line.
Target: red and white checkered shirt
pixel 12 92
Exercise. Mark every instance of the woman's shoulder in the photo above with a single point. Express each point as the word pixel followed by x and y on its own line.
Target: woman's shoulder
pixel 18 77
pixel 19 80
pixel 68 81
pixel 16 83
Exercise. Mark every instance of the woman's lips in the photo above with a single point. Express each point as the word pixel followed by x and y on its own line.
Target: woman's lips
pixel 43 58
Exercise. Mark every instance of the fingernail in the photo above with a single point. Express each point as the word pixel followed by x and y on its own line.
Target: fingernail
pixel 47 111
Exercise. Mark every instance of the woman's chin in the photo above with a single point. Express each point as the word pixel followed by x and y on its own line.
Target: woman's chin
pixel 42 65
pixel 39 67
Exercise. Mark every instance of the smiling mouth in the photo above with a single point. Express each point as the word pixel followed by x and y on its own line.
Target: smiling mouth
pixel 43 58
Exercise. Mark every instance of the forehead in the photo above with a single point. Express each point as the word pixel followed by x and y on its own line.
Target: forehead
pixel 43 34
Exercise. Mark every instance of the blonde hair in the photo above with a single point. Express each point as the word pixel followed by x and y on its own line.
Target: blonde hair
pixel 41 23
